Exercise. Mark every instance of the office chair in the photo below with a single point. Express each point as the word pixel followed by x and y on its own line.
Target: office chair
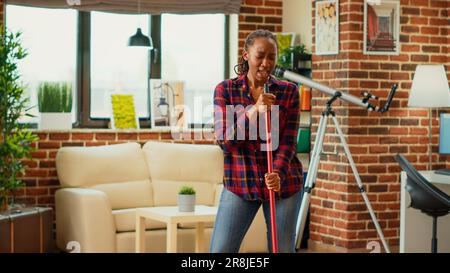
pixel 425 196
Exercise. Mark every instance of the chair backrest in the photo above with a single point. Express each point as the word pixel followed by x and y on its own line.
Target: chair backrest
pixel 424 195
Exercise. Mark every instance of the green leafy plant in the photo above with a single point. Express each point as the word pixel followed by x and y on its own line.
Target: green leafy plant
pixel 55 97
pixel 285 57
pixel 15 139
pixel 186 190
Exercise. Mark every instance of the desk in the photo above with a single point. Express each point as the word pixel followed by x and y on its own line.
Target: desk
pixel 172 217
pixel 416 227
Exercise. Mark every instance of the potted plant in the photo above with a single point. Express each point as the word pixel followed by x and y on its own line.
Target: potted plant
pixel 15 139
pixel 294 58
pixel 55 105
pixel 186 199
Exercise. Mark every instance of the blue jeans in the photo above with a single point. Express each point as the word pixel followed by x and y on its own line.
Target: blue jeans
pixel 235 216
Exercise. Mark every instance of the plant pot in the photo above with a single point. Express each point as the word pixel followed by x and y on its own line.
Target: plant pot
pixel 186 202
pixel 55 121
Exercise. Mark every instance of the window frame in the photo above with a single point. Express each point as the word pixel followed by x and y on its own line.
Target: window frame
pixel 83 70
pixel 155 70
pixel 84 119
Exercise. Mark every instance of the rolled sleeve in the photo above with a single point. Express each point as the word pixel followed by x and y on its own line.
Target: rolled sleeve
pixel 230 132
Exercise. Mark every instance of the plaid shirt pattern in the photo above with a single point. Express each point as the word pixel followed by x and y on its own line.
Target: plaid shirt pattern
pixel 245 162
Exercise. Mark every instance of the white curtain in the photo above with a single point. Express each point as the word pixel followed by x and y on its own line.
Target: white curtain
pixel 146 6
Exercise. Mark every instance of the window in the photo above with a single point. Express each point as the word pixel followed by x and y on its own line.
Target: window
pixel 89 49
pixel 51 53
pixel 193 48
pixel 116 67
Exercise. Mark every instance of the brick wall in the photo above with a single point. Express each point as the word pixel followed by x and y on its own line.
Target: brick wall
pixel 1 11
pixel 339 216
pixel 256 14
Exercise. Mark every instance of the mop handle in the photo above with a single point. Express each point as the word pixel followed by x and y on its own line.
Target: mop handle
pixel 273 222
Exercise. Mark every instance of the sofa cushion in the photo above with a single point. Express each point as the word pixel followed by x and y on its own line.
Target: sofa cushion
pixel 126 221
pixel 184 162
pixel 89 166
pixel 174 165
pixel 131 194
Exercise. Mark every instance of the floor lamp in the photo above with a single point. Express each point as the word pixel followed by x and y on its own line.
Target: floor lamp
pixel 429 90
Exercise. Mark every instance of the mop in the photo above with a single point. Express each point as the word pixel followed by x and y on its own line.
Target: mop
pixel 273 222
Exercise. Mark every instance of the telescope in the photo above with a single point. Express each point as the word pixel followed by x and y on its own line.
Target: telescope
pixel 364 102
pixel 318 144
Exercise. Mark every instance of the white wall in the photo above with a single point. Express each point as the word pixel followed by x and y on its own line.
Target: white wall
pixel 234 41
pixel 297 18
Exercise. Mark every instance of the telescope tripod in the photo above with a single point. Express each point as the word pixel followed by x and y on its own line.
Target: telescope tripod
pixel 312 173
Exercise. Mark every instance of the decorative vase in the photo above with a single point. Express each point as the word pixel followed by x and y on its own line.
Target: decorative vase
pixel 186 202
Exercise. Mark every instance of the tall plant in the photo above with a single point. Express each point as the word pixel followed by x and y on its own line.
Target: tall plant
pixel 15 139
pixel 55 97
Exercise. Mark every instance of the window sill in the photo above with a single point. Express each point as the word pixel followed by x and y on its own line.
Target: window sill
pixel 144 130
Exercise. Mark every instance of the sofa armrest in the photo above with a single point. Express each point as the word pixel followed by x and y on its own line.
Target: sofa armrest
pixel 85 217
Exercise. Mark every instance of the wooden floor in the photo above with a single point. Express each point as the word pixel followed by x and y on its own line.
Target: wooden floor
pixel 314 247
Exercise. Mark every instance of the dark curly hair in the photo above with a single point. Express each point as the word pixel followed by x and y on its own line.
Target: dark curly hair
pixel 242 66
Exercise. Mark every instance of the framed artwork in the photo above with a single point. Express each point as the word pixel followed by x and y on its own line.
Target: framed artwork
pixel 327 27
pixel 381 27
pixel 285 40
pixel 123 112
pixel 167 104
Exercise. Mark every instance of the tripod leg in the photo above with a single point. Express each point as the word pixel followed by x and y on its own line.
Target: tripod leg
pixel 310 180
pixel 360 185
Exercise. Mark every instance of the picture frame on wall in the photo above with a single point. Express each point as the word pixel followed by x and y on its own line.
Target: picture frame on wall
pixel 327 27
pixel 285 40
pixel 381 27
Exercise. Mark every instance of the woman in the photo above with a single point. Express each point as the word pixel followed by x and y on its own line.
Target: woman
pixel 246 181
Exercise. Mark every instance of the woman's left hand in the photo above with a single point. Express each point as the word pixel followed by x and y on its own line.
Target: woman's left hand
pixel 273 181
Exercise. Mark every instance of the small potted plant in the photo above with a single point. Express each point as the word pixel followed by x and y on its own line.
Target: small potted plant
pixel 186 199
pixel 55 105
pixel 294 58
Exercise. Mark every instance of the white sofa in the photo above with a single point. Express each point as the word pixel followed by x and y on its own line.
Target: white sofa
pixel 102 186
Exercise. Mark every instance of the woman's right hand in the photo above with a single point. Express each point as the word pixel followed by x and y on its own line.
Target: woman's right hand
pixel 264 102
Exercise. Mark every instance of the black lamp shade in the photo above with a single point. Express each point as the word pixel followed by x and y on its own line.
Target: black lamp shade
pixel 140 39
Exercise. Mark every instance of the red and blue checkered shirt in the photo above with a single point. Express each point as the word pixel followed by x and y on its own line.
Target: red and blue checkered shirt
pixel 245 162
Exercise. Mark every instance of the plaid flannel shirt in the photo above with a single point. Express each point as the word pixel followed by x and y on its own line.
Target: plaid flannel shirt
pixel 245 162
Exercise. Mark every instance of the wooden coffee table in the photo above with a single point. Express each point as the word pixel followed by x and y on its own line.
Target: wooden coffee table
pixel 172 217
